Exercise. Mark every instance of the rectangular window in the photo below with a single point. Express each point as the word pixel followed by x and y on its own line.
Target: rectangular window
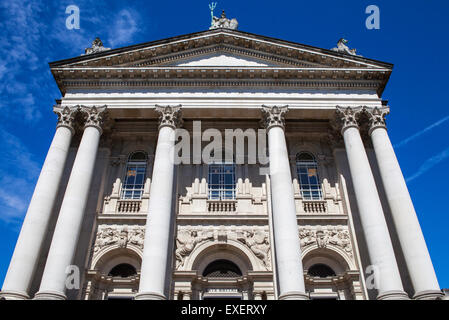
pixel 308 180
pixel 221 181
pixel 134 181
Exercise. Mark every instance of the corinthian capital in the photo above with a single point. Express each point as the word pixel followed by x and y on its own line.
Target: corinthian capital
pixel 347 117
pixel 66 116
pixel 169 116
pixel 273 116
pixel 376 117
pixel 94 116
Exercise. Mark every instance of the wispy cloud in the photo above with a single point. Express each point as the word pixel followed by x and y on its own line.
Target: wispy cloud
pixel 429 164
pixel 18 173
pixel 420 133
pixel 124 27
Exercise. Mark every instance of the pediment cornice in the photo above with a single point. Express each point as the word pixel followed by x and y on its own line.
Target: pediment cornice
pixel 151 62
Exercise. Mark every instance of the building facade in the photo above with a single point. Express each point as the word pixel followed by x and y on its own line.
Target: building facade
pixel 313 206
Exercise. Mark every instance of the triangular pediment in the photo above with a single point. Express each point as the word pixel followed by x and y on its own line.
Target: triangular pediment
pixel 221 48
pixel 221 57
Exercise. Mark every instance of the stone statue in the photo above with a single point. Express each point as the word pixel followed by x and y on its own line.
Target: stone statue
pixel 343 48
pixel 97 46
pixel 185 243
pixel 223 22
pixel 259 245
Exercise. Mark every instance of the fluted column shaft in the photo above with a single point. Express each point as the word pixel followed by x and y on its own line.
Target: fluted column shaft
pixel 32 235
pixel 406 222
pixel 380 248
pixel 68 226
pixel 285 226
pixel 157 233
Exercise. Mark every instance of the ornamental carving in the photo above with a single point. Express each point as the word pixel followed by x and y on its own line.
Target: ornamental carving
pixel 66 116
pixel 376 117
pixel 324 237
pixel 94 116
pixel 222 22
pixel 97 46
pixel 259 245
pixel 273 116
pixel 169 116
pixel 343 48
pixel 122 236
pixel 186 242
pixel 347 117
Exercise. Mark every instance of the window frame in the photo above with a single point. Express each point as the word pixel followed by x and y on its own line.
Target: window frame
pixel 309 190
pixel 223 191
pixel 133 190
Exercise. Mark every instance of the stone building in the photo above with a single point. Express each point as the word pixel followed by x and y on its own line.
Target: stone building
pixel 321 212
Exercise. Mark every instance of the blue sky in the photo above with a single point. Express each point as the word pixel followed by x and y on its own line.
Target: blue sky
pixel 413 36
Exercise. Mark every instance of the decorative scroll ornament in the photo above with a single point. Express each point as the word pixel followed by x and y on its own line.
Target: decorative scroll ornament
pixel 97 46
pixel 221 22
pixel 343 48
pixel 376 117
pixel 94 116
pixel 325 237
pixel 123 236
pixel 273 116
pixel 348 117
pixel 169 116
pixel 186 242
pixel 66 116
pixel 259 245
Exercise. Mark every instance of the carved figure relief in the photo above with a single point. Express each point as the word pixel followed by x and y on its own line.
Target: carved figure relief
pixel 259 245
pixel 119 235
pixel 186 242
pixel 326 236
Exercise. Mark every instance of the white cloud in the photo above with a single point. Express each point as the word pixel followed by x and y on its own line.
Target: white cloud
pixel 429 164
pixel 420 133
pixel 123 28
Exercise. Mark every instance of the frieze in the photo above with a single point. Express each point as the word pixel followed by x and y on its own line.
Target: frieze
pixel 123 236
pixel 324 237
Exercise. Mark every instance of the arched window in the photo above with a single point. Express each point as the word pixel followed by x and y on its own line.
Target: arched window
pixel 136 170
pixel 222 269
pixel 221 181
pixel 309 182
pixel 123 270
pixel 321 270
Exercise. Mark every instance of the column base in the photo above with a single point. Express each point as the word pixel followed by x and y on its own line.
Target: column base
pixel 150 296
pixel 294 295
pixel 14 295
pixel 428 295
pixel 49 295
pixel 393 295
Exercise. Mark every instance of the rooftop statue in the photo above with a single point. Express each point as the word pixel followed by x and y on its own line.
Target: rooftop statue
pixel 343 48
pixel 221 22
pixel 97 46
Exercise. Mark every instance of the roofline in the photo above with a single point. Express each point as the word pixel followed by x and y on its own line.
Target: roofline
pixel 219 30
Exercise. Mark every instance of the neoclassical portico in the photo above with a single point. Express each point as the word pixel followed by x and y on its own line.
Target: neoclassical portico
pixel 137 226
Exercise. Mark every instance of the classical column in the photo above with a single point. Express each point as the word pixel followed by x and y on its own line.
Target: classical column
pixel 285 226
pixel 406 222
pixel 68 226
pixel 157 235
pixel 380 249
pixel 26 254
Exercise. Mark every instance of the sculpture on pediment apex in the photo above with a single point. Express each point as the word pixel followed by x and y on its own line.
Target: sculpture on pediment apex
pixel 97 46
pixel 221 22
pixel 343 48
